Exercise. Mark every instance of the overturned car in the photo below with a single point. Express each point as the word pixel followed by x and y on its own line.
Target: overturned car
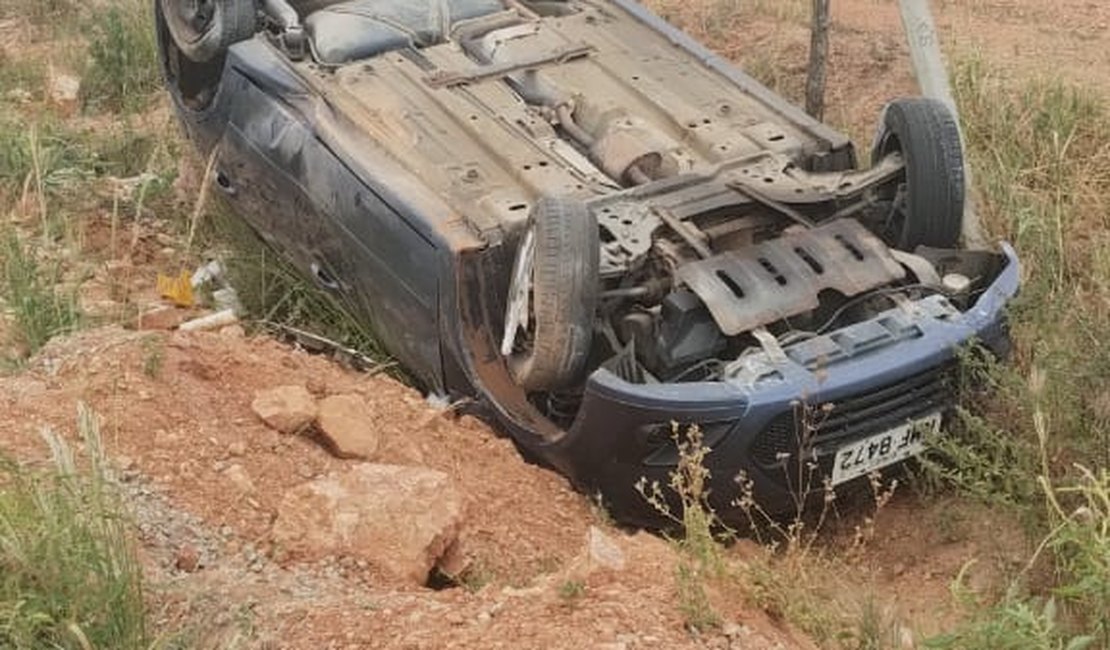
pixel 574 214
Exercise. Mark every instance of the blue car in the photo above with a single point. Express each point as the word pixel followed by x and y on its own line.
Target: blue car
pixel 601 233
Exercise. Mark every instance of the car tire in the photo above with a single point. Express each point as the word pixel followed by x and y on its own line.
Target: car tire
pixel 224 23
pixel 564 291
pixel 926 134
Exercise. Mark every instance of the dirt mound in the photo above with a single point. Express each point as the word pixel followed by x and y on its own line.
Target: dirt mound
pixel 204 477
pixel 178 406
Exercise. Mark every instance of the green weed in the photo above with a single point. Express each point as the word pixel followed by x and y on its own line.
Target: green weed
pixel 21 74
pixel 42 156
pixel 1016 623
pixel 572 590
pixel 1080 545
pixel 41 309
pixel 122 72
pixel 154 355
pixel 70 576
pixel 699 549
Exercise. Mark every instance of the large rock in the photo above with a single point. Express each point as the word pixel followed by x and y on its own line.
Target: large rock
pixel 348 426
pixel 403 520
pixel 289 409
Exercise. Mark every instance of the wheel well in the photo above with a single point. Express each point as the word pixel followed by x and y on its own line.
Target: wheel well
pixel 193 82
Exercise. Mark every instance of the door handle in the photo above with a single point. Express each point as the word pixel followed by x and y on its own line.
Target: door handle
pixel 325 279
pixel 223 181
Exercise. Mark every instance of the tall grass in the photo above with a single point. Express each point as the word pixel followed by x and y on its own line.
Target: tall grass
pixel 39 12
pixel 1040 443
pixel 122 72
pixel 273 290
pixel 1041 152
pixel 39 306
pixel 70 577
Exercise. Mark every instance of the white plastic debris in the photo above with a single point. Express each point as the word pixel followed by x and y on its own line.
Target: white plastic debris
pixel 227 298
pixel 213 271
pixel 210 322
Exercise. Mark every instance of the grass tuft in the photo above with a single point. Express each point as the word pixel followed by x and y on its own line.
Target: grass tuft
pixel 273 290
pixel 122 72
pixel 70 576
pixel 39 307
pixel 700 558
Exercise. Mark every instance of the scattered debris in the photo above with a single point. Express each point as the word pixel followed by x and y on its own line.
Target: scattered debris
pixel 64 90
pixel 210 322
pixel 178 290
pixel 348 426
pixel 288 409
pixel 227 299
pixel 212 271
pixel 402 520
pixel 233 331
pixel 345 356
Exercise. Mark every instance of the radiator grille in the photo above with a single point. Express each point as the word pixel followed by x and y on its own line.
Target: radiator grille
pixel 828 425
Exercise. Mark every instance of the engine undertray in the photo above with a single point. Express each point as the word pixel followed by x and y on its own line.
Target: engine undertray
pixel 783 277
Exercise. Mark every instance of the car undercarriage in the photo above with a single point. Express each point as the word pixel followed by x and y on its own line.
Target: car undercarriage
pixel 585 219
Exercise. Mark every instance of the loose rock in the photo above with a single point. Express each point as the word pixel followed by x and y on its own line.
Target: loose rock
pixel 240 479
pixel 64 90
pixel 187 559
pixel 288 409
pixel 161 318
pixel 234 331
pixel 603 551
pixel 348 426
pixel 402 520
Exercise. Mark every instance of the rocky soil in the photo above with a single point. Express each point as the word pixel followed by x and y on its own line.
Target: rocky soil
pixel 263 510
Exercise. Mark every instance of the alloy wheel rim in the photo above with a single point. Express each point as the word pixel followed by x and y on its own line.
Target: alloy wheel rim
pixel 518 309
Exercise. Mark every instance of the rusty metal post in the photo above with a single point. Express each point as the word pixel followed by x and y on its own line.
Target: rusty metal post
pixel 818 60
pixel 932 77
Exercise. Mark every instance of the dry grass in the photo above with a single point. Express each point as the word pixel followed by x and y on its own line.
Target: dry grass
pixel 70 575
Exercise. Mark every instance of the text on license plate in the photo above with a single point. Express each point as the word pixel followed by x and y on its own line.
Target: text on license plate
pixel 865 456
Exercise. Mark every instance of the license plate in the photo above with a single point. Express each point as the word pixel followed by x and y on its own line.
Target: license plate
pixel 865 456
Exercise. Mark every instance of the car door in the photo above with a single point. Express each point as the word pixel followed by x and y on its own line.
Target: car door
pixel 331 224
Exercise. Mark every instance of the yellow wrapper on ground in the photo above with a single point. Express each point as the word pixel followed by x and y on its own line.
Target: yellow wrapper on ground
pixel 178 290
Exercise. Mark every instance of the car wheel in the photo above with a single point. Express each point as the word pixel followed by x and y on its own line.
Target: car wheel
pixel 928 208
pixel 552 297
pixel 204 29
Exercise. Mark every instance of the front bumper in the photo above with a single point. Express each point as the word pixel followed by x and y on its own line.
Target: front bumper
pixel 887 370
